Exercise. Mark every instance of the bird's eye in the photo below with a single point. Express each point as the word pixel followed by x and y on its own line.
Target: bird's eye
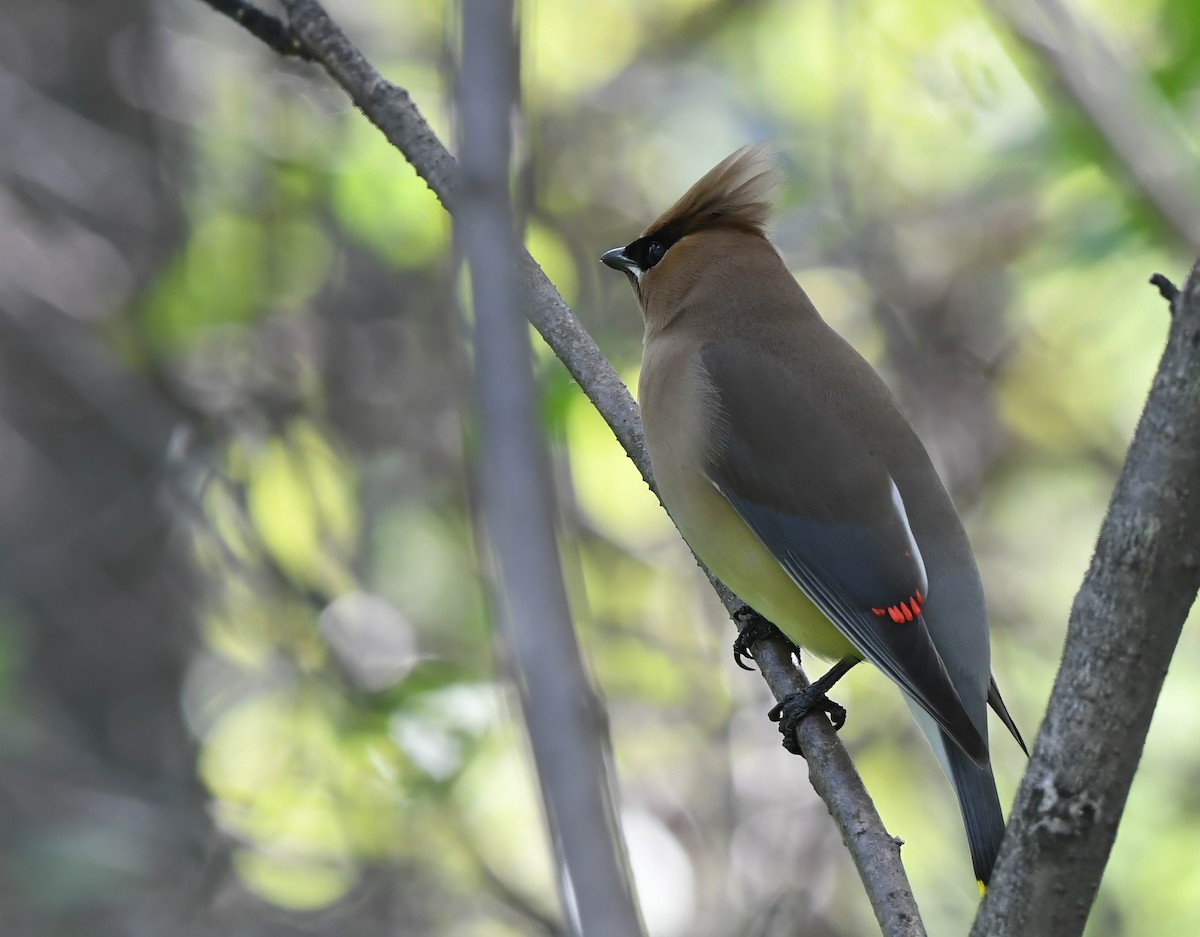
pixel 654 253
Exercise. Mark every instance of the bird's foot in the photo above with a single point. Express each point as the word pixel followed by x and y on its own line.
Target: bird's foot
pixel 754 629
pixel 795 706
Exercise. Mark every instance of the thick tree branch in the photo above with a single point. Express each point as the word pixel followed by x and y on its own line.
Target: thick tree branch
pixel 391 110
pixel 1123 628
pixel 560 709
pixel 1127 112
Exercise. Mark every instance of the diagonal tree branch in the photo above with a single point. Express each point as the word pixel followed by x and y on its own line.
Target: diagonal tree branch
pixel 1125 109
pixel 1123 628
pixel 391 110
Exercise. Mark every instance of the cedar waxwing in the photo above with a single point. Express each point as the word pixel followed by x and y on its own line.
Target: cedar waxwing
pixel 790 471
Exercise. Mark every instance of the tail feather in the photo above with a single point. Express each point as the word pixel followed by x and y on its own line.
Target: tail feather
pixel 975 787
pixel 980 806
pixel 996 701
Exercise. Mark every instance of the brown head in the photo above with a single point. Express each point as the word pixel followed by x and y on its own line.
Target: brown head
pixel 724 214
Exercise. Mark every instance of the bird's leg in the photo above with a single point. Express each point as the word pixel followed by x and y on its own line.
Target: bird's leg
pixel 753 629
pixel 795 706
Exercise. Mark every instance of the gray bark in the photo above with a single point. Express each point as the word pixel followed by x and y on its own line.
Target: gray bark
pixel 1123 628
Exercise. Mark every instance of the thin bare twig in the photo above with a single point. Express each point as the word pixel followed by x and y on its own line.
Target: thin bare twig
pixel 562 713
pixel 1123 628
pixel 391 110
pixel 1166 289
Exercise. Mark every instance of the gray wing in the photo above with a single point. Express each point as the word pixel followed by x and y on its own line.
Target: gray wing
pixel 809 480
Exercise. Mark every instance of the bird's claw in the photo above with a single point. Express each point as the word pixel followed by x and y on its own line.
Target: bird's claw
pixel 754 629
pixel 795 706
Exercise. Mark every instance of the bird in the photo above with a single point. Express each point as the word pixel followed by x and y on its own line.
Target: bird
pixel 792 473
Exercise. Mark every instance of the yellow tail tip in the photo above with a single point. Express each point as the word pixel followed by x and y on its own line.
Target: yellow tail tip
pixel 982 887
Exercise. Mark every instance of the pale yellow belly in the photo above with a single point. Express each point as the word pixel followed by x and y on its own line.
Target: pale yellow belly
pixel 737 557
pixel 677 408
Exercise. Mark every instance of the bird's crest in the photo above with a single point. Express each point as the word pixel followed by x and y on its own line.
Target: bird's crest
pixel 739 192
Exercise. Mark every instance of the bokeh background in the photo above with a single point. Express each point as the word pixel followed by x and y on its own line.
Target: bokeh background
pixel 248 676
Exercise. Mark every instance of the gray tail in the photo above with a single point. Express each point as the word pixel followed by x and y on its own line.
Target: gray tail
pixel 980 806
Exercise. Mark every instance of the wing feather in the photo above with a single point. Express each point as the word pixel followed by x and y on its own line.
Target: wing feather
pixel 803 471
pixel 903 651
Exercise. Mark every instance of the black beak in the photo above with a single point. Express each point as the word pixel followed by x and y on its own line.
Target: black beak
pixel 616 259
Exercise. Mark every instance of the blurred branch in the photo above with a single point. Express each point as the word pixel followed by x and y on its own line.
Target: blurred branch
pixel 562 713
pixel 1123 628
pixel 391 110
pixel 1129 114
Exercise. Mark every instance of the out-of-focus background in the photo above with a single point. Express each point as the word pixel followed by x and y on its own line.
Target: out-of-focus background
pixel 248 677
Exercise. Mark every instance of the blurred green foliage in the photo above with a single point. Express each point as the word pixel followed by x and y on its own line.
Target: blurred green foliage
pixel 902 122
